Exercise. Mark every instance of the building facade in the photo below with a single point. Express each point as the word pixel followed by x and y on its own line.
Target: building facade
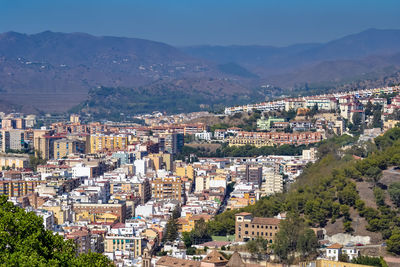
pixel 248 227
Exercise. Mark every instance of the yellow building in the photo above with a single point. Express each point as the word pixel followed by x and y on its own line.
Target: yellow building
pixel 123 243
pixel 74 118
pixel 250 197
pixel 64 147
pixel 13 162
pixel 98 217
pixel 168 188
pixel 162 160
pixel 389 124
pixel 187 223
pixel 101 142
pixel 329 263
pixel 156 161
pixel 18 188
pixel 60 215
pixel 185 171
pixel 237 203
pixel 150 234
pixel 41 144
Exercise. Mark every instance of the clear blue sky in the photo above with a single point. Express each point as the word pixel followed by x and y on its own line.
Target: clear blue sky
pixel 187 22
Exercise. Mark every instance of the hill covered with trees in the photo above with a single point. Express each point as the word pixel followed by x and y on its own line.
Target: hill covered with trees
pixel 327 192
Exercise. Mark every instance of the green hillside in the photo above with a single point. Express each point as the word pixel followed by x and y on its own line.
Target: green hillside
pixel 326 192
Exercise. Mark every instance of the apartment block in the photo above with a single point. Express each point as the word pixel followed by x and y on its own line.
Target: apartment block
pixel 248 227
pixel 18 188
pixel 99 212
pixel 12 140
pixel 171 143
pixel 43 143
pixel 64 147
pixel 185 171
pixel 168 188
pixel 133 244
pixel 259 139
pixel 13 162
pixel 102 142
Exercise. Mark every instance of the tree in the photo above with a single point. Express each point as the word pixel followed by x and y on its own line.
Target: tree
pixel 374 173
pixel 369 109
pixel 176 213
pixel 379 196
pixel 394 193
pixel 187 239
pixel 372 261
pixel 25 242
pixel 356 126
pixel 393 243
pixel 307 242
pixel 377 121
pixel 200 232
pixel 36 161
pixel 92 260
pixel 191 251
pixel 345 211
pixel 257 247
pixel 314 110
pixel 293 235
pixel 343 257
pixel 171 232
pixel 347 227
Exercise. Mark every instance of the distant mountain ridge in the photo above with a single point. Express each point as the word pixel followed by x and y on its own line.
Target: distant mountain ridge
pixel 48 65
pixel 278 59
pixel 53 72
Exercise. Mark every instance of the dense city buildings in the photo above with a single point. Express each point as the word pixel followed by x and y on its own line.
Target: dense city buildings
pixel 119 188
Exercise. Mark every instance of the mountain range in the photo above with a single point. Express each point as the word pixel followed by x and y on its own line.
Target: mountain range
pixel 57 72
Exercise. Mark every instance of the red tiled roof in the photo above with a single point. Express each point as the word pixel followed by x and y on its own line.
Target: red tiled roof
pixel 268 221
pixel 243 214
pixel 175 262
pixel 335 246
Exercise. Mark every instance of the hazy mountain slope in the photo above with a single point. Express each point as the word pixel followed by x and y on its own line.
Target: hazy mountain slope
pixel 267 60
pixel 341 71
pixel 54 71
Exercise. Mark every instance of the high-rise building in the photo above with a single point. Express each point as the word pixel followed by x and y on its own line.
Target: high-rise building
pixel 168 188
pixel 43 143
pixel 18 188
pixel 254 174
pixel 102 142
pixel 64 147
pixel 12 139
pixel 171 142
